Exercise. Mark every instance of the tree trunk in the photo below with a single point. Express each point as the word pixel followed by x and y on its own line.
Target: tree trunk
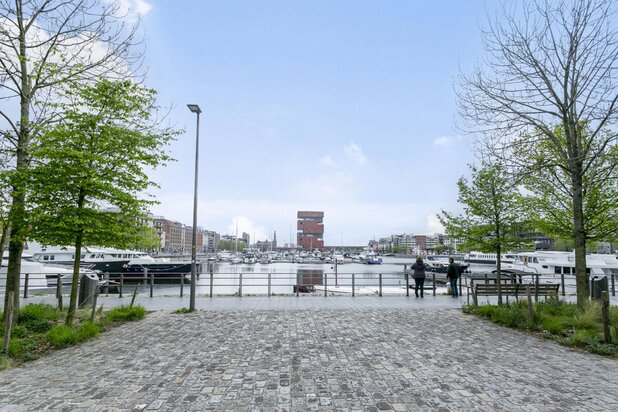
pixel 75 282
pixel 579 238
pixel 19 226
pixel 498 274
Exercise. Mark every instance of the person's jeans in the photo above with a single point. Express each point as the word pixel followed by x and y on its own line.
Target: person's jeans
pixel 418 284
pixel 454 289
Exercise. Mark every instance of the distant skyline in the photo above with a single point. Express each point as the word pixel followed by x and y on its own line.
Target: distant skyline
pixel 345 107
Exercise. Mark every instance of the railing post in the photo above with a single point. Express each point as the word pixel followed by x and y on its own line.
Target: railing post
pixel 212 278
pixel 182 284
pixel 536 289
pixel 151 282
pixel 106 282
pixel 240 284
pixel 121 284
pixel 434 282
pixel 59 291
pixel 562 283
pixel 325 283
pixel 269 284
pixel 613 285
pixel 353 284
pixel 297 285
pixel 407 275
pixel 607 337
pixel 530 314
pixel 380 288
pixel 26 286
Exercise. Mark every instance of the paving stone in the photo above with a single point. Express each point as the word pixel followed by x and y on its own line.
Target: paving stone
pixel 369 355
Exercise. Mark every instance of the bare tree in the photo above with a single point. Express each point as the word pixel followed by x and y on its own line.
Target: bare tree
pixel 43 45
pixel 549 66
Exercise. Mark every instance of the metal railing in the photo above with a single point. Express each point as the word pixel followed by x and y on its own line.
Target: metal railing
pixel 295 283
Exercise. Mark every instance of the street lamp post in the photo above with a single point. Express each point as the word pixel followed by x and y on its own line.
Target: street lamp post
pixel 194 109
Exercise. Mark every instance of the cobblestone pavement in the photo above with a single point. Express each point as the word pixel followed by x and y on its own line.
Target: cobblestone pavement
pixel 357 358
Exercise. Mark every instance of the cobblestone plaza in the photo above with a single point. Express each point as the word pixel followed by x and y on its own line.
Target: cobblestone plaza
pixel 310 353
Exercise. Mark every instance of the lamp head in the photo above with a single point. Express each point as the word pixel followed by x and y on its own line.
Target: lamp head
pixel 194 108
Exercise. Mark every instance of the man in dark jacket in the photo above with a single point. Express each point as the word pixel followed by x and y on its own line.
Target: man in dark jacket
pixel 452 274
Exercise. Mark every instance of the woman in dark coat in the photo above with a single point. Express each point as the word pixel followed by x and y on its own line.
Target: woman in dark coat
pixel 418 275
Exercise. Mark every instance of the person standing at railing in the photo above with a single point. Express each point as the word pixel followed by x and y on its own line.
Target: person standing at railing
pixel 452 274
pixel 419 276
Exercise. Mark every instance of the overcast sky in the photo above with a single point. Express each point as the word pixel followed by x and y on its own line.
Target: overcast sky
pixel 346 107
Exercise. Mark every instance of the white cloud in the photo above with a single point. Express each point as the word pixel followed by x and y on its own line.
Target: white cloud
pixel 443 141
pixel 131 10
pixel 245 225
pixel 354 152
pixel 434 225
pixel 327 161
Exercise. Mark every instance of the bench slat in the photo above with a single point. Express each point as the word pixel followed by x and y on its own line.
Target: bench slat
pixel 484 289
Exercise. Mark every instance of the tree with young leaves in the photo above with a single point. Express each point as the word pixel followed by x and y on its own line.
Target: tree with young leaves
pixel 88 180
pixel 147 239
pixel 44 44
pixel 549 63
pixel 492 220
pixel 550 193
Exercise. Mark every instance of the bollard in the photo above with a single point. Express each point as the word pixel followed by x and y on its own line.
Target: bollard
pixel 151 282
pixel 297 284
pixel 269 284
pixel 562 283
pixel 353 284
pixel 240 284
pixel 536 289
pixel 475 301
pixel 380 288
pixel 26 286
pixel 613 285
pixel 121 284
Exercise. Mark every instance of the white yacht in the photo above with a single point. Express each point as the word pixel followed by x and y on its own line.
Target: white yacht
pixel 103 260
pixel 556 263
pixel 37 278
pixel 481 258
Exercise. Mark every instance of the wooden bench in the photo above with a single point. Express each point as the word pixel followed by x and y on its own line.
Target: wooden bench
pixel 515 289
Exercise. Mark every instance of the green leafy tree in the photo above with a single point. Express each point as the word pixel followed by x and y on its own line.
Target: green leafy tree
pixel 492 220
pixel 43 46
pixel 550 193
pixel 550 63
pixel 96 157
pixel 147 239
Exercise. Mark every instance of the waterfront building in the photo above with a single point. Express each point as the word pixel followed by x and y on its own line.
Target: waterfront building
pixel 178 237
pixel 310 230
